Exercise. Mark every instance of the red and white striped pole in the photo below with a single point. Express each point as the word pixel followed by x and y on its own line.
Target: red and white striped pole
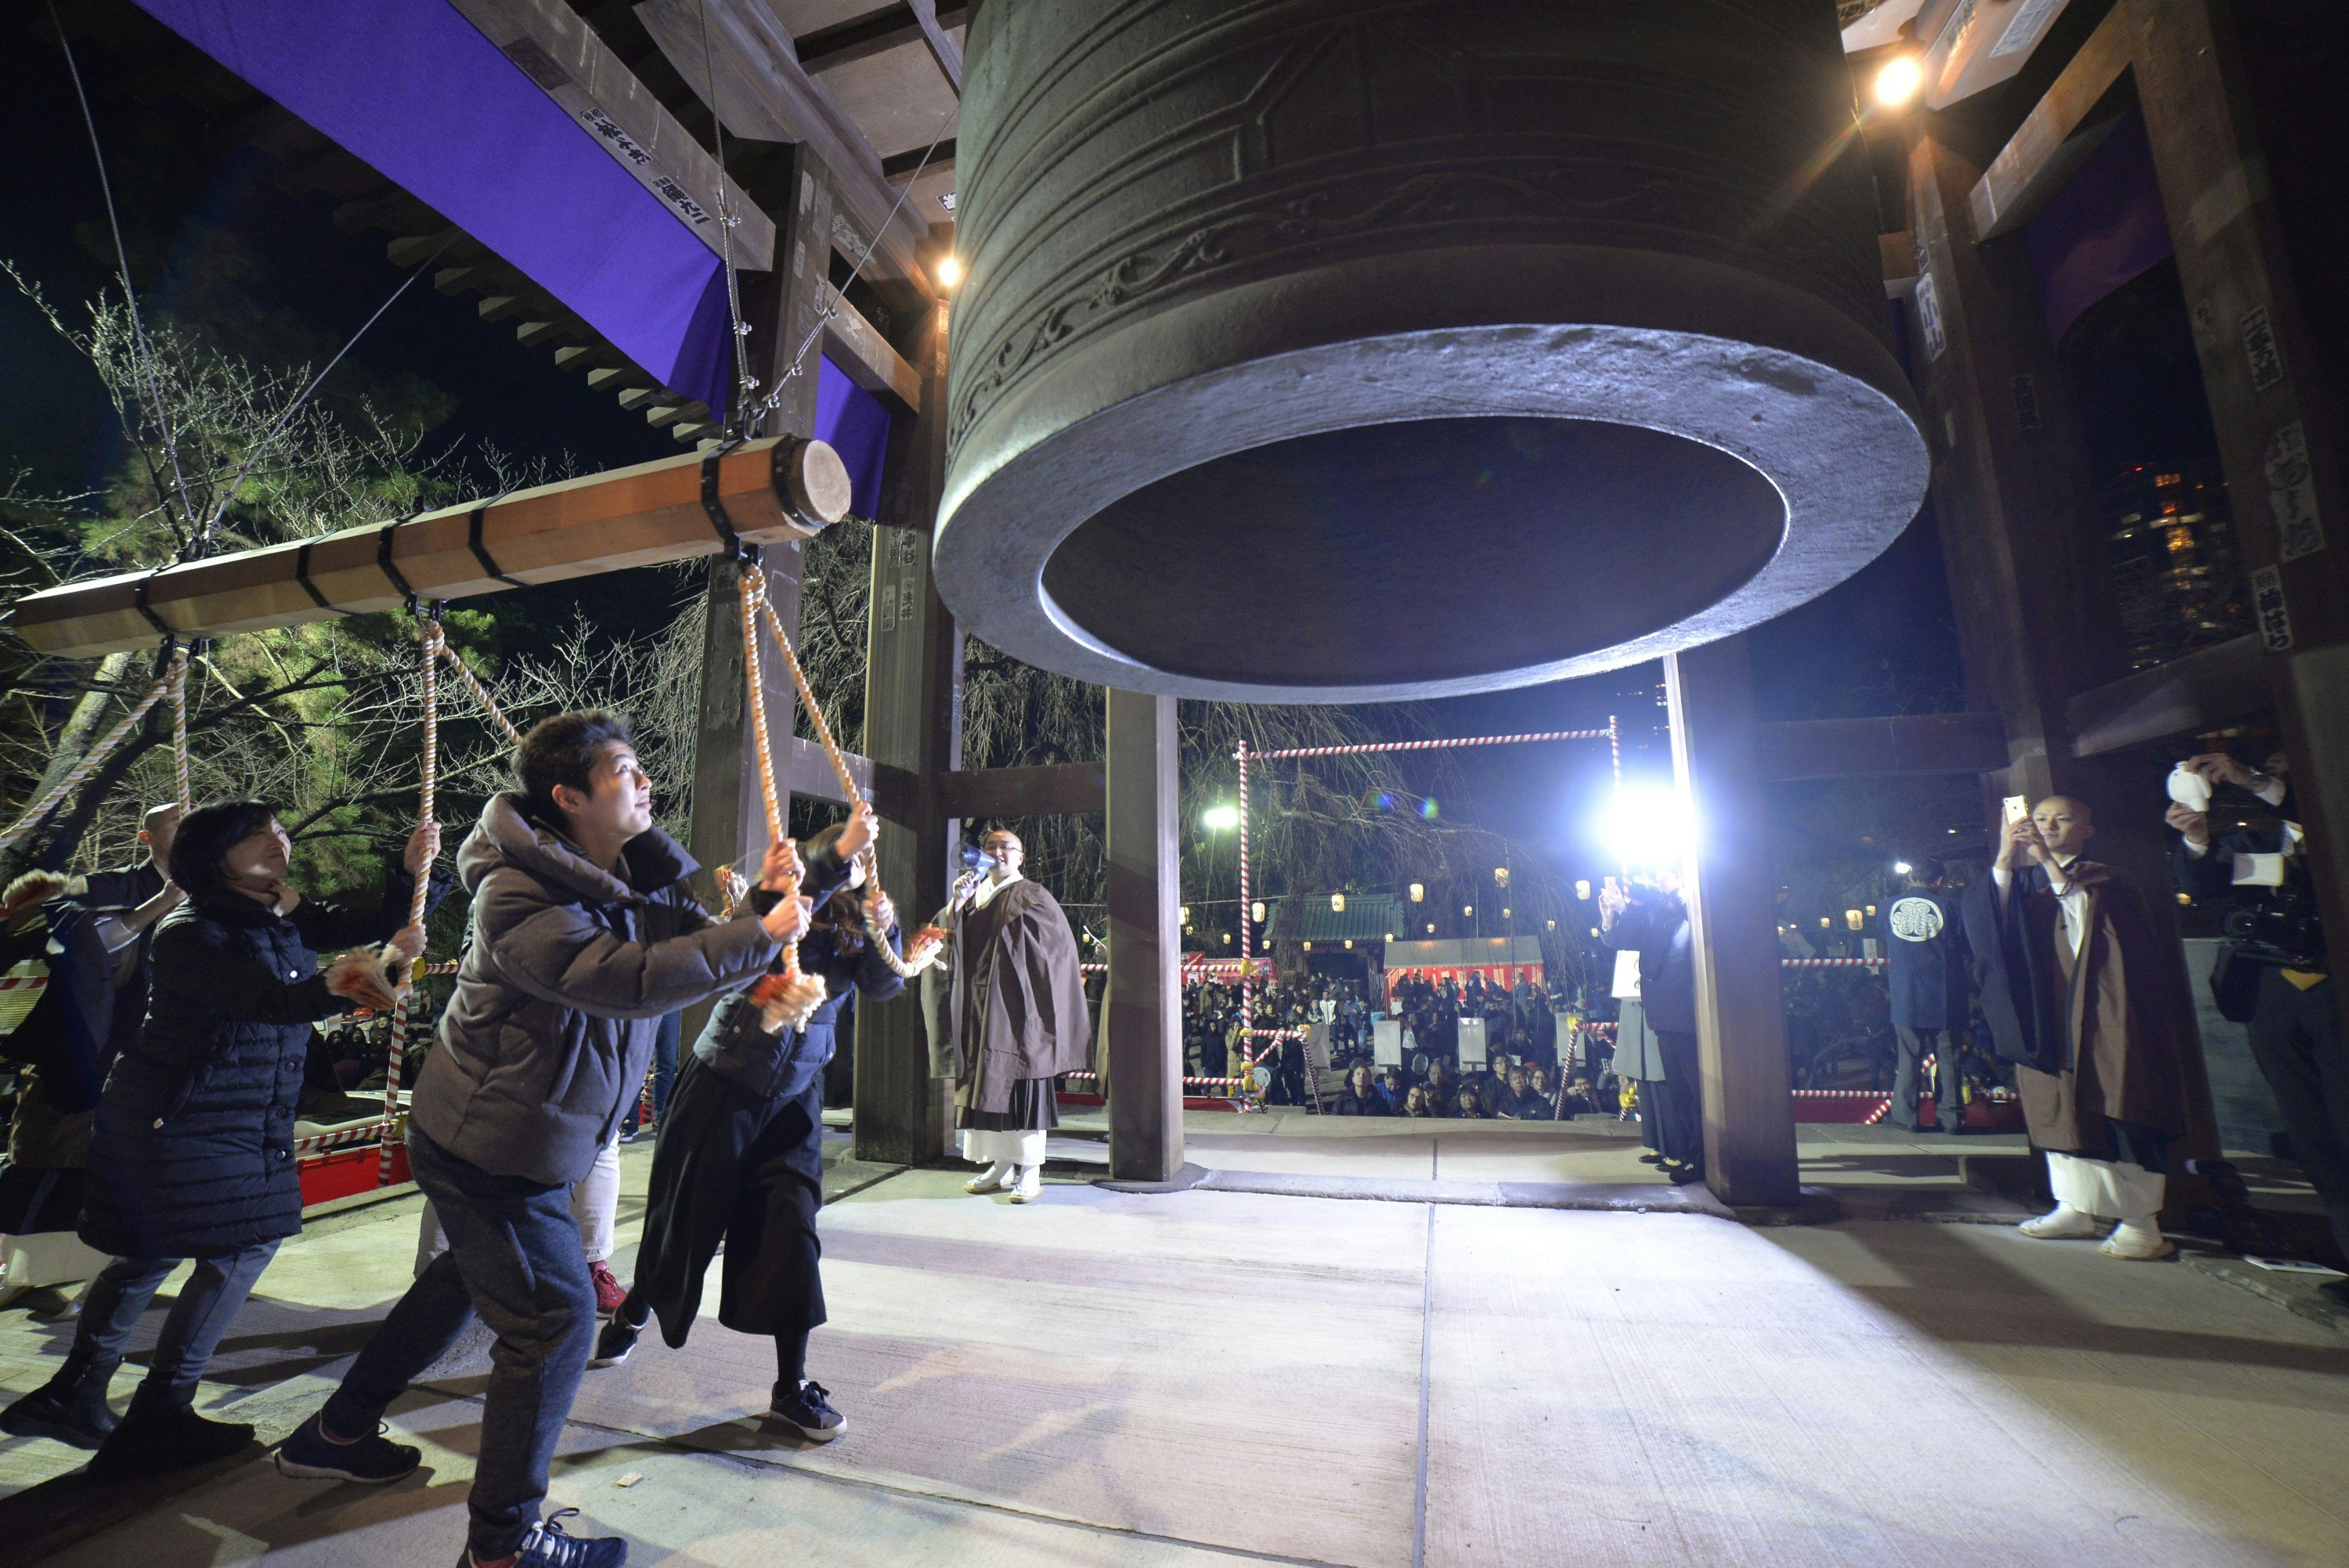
pixel 1248 935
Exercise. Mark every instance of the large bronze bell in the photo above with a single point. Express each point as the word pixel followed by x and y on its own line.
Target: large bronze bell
pixel 1340 350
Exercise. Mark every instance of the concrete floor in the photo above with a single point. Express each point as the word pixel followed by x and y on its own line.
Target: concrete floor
pixel 1220 1376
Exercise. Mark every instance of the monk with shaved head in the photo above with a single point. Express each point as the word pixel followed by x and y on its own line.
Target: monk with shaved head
pixel 2068 963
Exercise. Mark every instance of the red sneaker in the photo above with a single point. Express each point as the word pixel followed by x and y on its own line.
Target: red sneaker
pixel 609 1292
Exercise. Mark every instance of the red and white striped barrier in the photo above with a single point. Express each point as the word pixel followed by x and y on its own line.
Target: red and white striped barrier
pixel 1607 734
pixel 1831 962
pixel 343 1136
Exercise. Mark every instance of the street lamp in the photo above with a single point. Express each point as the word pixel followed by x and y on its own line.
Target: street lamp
pixel 1220 818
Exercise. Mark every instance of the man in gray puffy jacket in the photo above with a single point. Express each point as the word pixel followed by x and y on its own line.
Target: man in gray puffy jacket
pixel 583 938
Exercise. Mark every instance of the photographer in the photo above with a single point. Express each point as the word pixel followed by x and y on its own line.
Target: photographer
pixel 2275 978
pixel 1648 917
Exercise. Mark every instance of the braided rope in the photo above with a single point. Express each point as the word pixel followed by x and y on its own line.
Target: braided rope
pixel 433 643
pixel 754 594
pixel 855 798
pixel 464 672
pixel 179 695
pixel 91 760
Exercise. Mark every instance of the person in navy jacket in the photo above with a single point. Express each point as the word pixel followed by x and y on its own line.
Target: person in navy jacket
pixel 1926 968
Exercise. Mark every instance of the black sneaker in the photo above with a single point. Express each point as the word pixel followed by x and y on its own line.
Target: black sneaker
pixel 372 1460
pixel 173 1438
pixel 614 1340
pixel 549 1546
pixel 810 1410
pixel 75 1414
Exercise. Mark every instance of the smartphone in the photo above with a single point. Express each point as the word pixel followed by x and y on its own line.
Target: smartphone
pixel 2017 807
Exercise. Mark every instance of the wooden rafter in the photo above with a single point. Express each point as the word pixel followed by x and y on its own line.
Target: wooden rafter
pixel 2054 137
pixel 862 37
pixel 763 94
pixel 558 50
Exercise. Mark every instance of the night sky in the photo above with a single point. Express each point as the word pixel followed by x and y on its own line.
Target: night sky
pixel 1883 642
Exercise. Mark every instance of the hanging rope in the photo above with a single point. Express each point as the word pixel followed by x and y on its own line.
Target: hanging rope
pixel 791 998
pixel 903 968
pixel 464 672
pixel 419 893
pixel 179 696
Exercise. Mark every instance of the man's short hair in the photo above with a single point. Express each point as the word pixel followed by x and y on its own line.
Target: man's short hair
pixel 1925 870
pixel 565 749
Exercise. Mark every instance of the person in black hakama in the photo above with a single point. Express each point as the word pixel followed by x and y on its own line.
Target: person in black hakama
pixel 1017 1007
pixel 739 1157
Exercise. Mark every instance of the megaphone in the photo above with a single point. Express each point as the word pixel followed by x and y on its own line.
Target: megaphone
pixel 975 859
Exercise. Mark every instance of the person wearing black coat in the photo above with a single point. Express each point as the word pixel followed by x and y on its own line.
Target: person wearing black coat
pixel 1651 919
pixel 1926 971
pixel 738 1160
pixel 1361 1096
pixel 193 1156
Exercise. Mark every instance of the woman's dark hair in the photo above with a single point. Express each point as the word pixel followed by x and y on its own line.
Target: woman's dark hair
pixel 842 915
pixel 562 751
pixel 206 835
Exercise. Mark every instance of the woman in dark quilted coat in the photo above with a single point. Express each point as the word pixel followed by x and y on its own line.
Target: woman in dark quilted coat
pixel 193 1153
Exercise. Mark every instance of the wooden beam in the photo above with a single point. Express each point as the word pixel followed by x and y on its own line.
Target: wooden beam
pixel 1144 1002
pixel 1748 1111
pixel 1898 252
pixel 1984 43
pixel 1064 789
pixel 2054 137
pixel 941 43
pixel 556 49
pixel 862 37
pixel 913 726
pixel 860 350
pixel 1905 746
pixel 773 491
pixel 900 169
pixel 764 95
pixel 2206 689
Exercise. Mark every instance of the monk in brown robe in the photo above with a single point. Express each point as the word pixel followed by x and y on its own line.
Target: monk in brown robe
pixel 1016 1002
pixel 2068 959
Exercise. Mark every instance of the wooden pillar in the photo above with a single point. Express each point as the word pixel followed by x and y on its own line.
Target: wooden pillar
pixel 2038 620
pixel 1749 1100
pixel 913 723
pixel 729 822
pixel 2277 404
pixel 1145 936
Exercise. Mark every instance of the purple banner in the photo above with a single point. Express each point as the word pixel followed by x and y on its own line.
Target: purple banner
pixel 416 91
pixel 854 424
pixel 2101 228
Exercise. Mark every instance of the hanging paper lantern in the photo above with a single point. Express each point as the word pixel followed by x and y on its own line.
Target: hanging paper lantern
pixel 1336 904
pixel 1418 892
pixel 1582 889
pixel 1256 912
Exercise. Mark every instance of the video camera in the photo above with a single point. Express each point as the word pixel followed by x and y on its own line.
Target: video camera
pixel 2285 930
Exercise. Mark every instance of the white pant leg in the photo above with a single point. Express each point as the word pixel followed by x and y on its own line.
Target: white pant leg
pixel 430 1241
pixel 982 1148
pixel 2111 1190
pixel 595 1204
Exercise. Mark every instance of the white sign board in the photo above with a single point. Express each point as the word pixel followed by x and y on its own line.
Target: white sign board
pixel 1386 1042
pixel 1472 1043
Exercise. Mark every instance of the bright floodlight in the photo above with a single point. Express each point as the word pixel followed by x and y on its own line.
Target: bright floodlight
pixel 1648 826
pixel 949 267
pixel 1897 82
pixel 1900 867
pixel 1221 818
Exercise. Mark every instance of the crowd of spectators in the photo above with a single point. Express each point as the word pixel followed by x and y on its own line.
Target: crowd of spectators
pixel 1522 1076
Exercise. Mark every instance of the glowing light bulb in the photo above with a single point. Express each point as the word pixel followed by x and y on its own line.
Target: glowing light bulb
pixel 1899 81
pixel 949 269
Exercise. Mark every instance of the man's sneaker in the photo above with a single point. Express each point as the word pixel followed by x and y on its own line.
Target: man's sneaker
pixel 372 1460
pixel 810 1410
pixel 614 1340
pixel 75 1414
pixel 548 1545
pixel 609 1292
pixel 154 1443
